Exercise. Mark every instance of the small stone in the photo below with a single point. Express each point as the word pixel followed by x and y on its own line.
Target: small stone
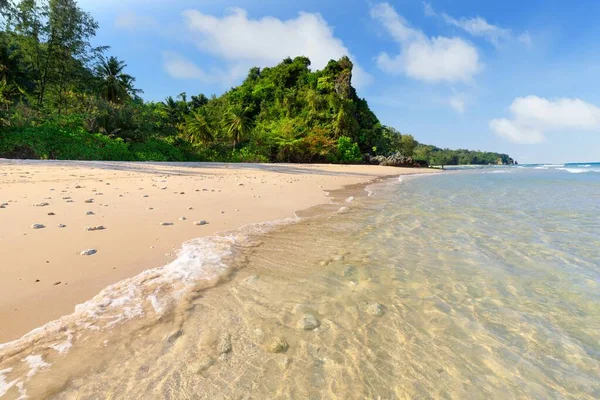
pixel 94 228
pixel 41 204
pixel 375 310
pixel 224 345
pixel 57 283
pixel 70 201
pixel 62 226
pixel 2 206
pixel 166 224
pixel 199 223
pixel 278 345
pixel 149 208
pixel 145 195
pixel 181 192
pixel 240 184
pixel 89 201
pixel 182 218
pixel 38 226
pixel 66 198
pixel 89 213
pixel 190 208
pixel 88 252
pixel 222 212
pixel 308 322
pixel 163 188
pixel 51 214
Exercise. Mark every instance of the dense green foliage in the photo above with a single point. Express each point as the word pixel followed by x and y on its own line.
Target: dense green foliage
pixel 61 98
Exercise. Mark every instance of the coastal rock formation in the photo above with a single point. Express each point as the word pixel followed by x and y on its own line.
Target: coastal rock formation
pixel 395 160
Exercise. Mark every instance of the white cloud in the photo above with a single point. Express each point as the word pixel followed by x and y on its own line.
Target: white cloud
pixel 478 26
pixel 132 22
pixel 532 116
pixel 180 67
pixel 245 42
pixel 457 103
pixel 434 59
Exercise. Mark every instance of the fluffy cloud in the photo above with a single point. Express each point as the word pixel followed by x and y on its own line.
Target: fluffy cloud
pixel 434 59
pixel 243 42
pixel 532 116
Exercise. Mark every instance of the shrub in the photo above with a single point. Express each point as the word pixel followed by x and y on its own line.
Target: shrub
pixel 347 152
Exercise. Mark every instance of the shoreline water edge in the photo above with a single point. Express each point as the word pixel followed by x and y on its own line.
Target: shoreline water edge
pixel 24 183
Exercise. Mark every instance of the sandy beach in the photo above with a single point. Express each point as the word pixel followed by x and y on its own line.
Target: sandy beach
pixel 135 216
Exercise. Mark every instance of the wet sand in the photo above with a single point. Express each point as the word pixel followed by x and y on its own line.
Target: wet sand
pixel 146 210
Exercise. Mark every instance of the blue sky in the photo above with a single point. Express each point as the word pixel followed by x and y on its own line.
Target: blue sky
pixel 512 76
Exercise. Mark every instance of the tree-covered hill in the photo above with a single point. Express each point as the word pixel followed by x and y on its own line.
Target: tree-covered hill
pixel 61 98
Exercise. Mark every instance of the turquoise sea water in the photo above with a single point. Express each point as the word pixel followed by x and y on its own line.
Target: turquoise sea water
pixel 478 283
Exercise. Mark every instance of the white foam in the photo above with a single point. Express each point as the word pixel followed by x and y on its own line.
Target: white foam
pixel 152 291
pixel 502 171
pixel 575 170
pixel 553 165
pixel 4 384
pixel 35 363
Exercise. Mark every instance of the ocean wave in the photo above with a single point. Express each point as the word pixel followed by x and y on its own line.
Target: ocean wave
pixel 575 170
pixel 200 262
pixel 501 171
pixel 553 165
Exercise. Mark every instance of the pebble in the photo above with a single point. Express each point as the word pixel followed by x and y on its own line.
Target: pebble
pixel 70 201
pixel 51 214
pixel 89 201
pixel 94 228
pixel 57 283
pixel 88 252
pixel 200 223
pixel 38 226
pixel 375 310
pixel 224 345
pixel 62 226
pixel 145 195
pixel 41 204
pixel 150 208
pixel 89 213
pixel 182 218
pixel 166 223
pixel 308 322
pixel 190 208
pixel 278 345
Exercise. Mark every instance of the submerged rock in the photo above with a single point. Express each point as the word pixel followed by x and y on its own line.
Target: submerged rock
pixel 224 345
pixel 349 271
pixel 88 252
pixel 375 310
pixel 308 322
pixel 278 345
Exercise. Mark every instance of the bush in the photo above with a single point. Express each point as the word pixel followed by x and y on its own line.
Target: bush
pixel 347 152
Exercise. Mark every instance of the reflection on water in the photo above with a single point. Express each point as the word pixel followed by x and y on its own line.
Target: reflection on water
pixel 463 286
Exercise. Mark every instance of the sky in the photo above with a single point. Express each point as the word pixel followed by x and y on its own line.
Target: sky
pixel 513 77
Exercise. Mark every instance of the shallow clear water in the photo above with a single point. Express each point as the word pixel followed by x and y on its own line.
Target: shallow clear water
pixel 477 284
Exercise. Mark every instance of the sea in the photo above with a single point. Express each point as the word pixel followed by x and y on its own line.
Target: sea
pixel 477 283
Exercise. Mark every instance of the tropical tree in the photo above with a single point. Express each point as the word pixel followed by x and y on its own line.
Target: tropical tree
pixel 115 85
pixel 237 123
pixel 198 127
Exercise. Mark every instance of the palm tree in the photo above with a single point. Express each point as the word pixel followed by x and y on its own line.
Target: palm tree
pixel 115 85
pixel 238 123
pixel 198 127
